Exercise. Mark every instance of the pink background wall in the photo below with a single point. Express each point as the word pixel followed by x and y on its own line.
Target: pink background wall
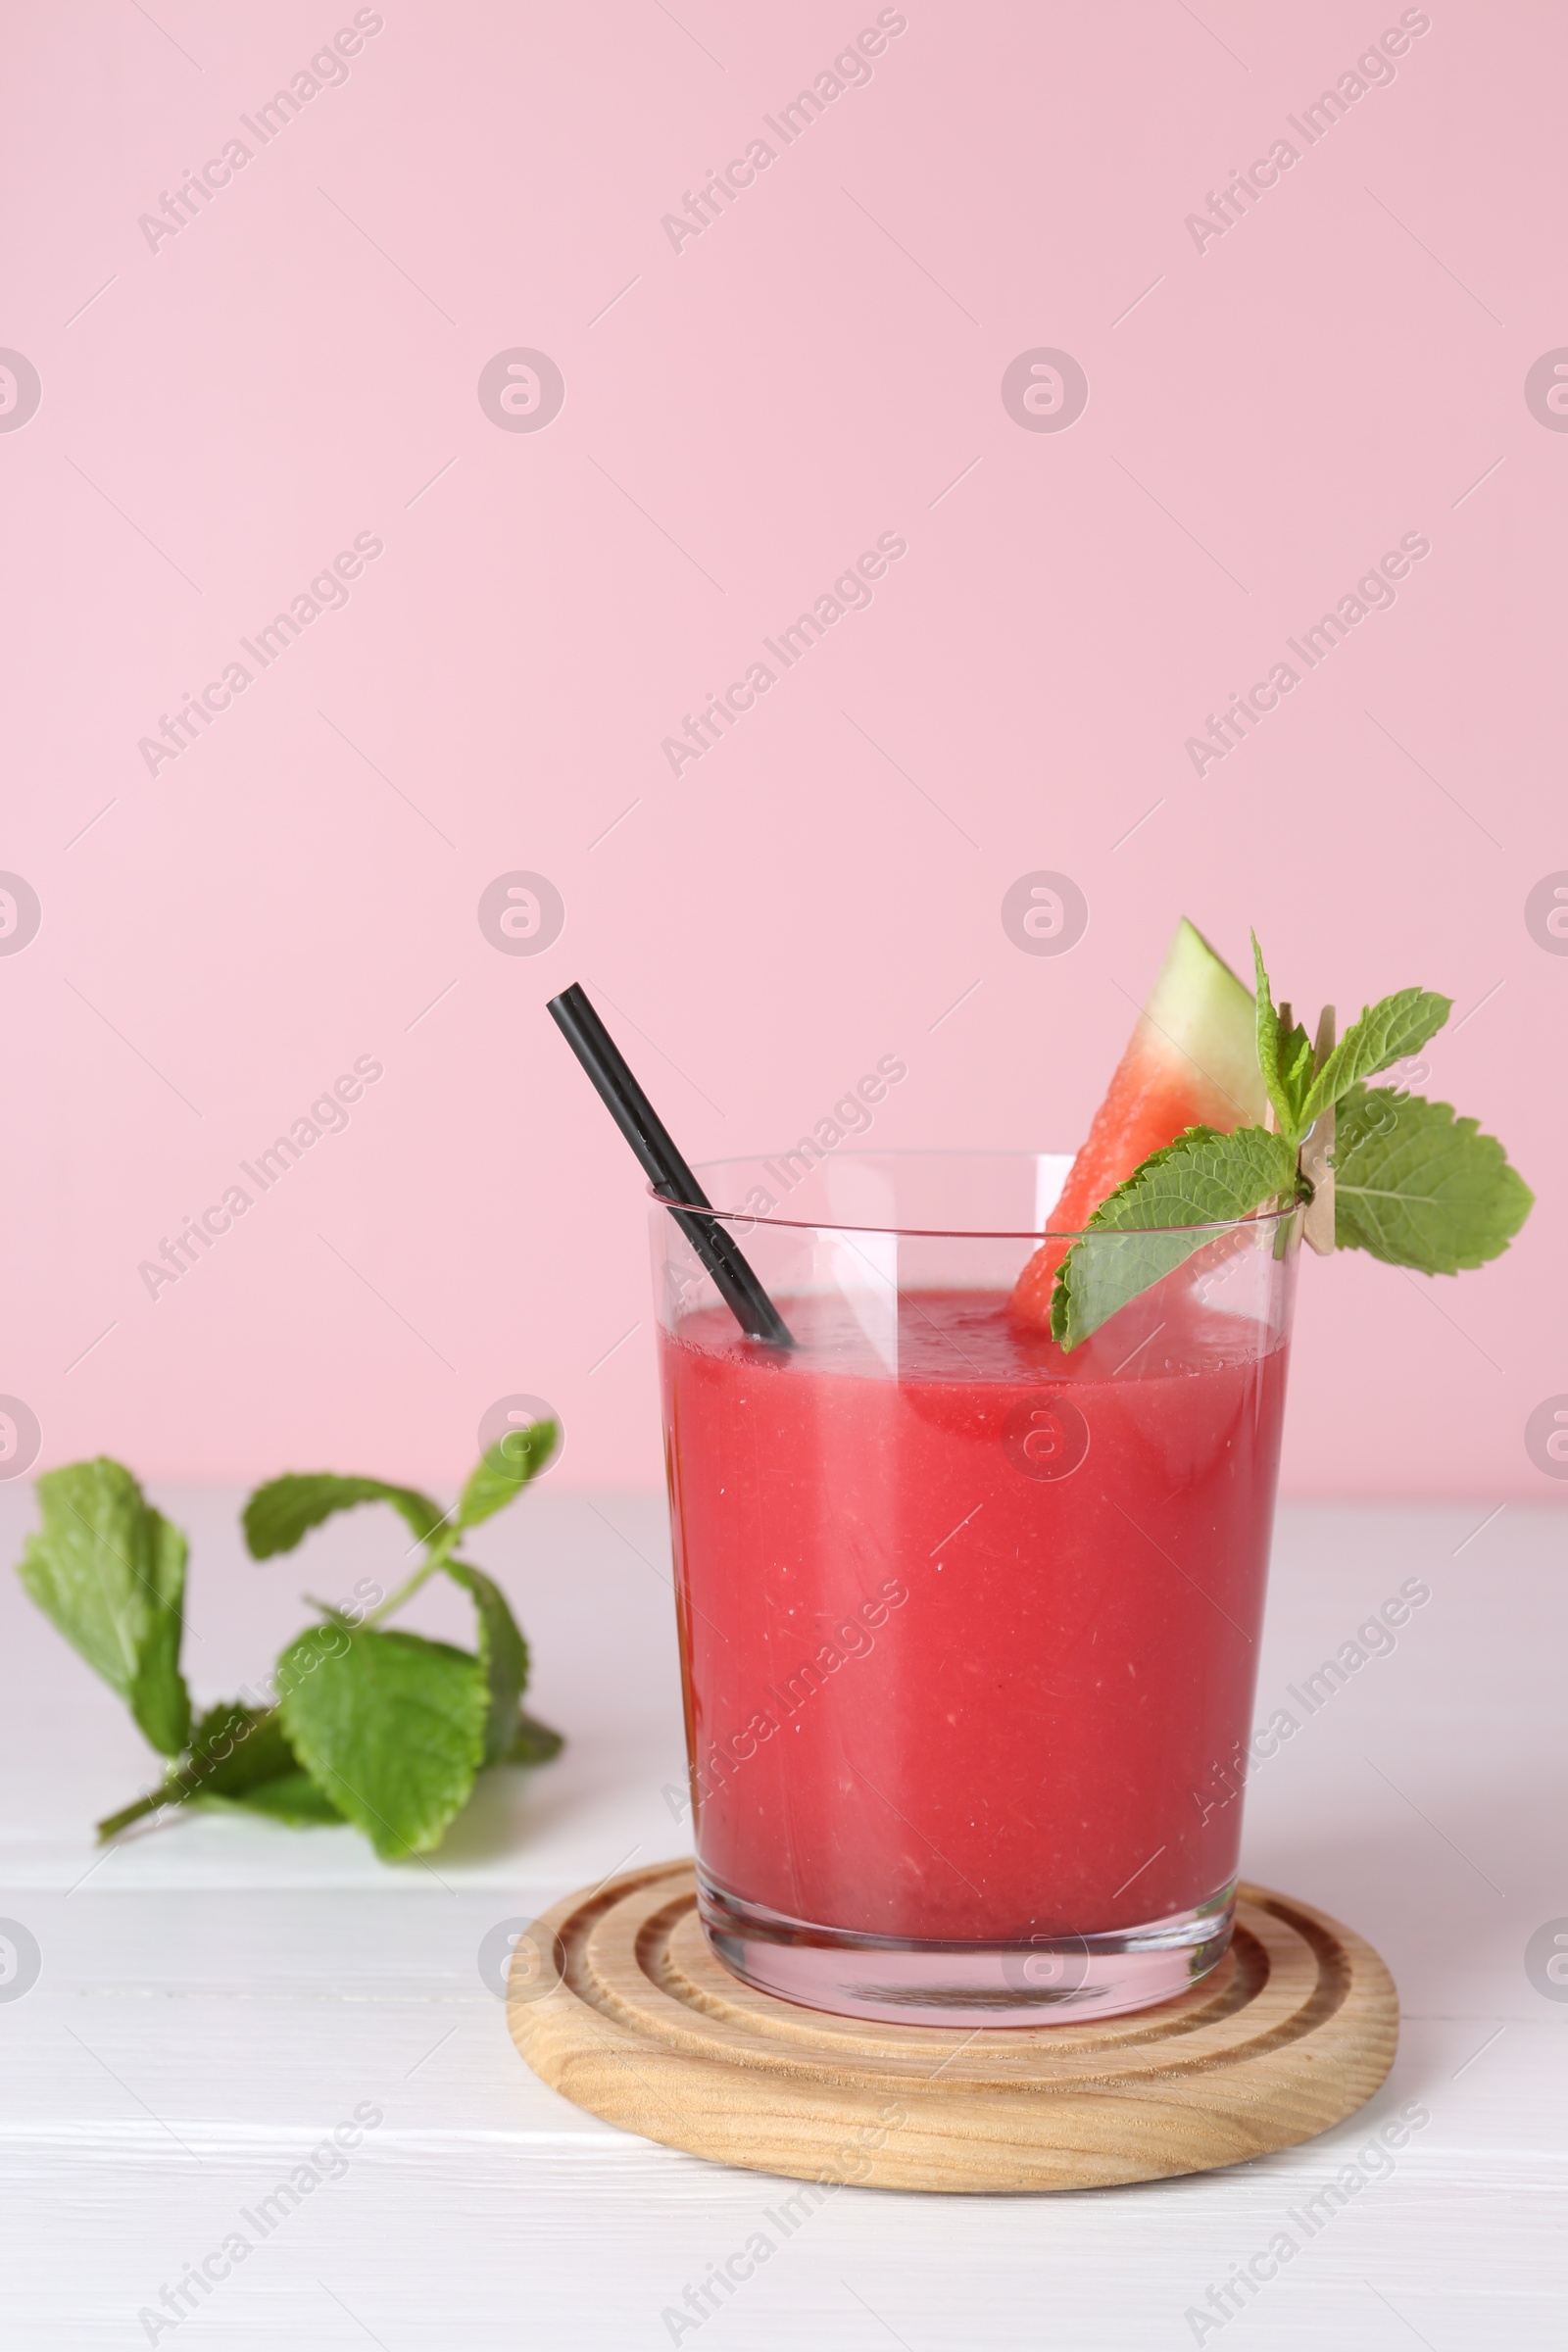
pixel 222 414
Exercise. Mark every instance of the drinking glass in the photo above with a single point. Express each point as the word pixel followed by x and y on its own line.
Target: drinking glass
pixel 968 1621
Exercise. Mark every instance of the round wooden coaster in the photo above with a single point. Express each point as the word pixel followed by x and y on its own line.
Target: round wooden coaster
pixel 628 2014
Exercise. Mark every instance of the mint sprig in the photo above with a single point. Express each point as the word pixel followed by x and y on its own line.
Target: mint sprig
pixel 1413 1184
pixel 387 1731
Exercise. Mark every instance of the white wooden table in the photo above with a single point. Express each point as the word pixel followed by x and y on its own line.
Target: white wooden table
pixel 217 1996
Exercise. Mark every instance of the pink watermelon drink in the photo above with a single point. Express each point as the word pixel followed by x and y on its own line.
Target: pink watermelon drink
pixel 971 1465
pixel 964 1647
pixel 969 1618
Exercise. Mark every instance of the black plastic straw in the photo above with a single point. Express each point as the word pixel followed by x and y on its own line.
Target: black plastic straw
pixel 671 1179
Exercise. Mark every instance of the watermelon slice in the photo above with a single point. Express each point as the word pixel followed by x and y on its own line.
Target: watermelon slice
pixel 1191 1061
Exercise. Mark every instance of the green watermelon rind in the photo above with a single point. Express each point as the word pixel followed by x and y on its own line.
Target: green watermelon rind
pixel 1204 1012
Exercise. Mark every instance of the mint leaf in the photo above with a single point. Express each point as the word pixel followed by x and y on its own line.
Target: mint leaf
pixel 109 1572
pixel 1269 1030
pixel 505 1469
pixel 292 1797
pixel 390 1725
pixel 237 1756
pixel 241 1755
pixel 1418 1187
pixel 281 1513
pixel 240 1759
pixel 1284 1056
pixel 1385 1033
pixel 1202 1180
pixel 532 1741
pixel 502 1653
pixel 233 1747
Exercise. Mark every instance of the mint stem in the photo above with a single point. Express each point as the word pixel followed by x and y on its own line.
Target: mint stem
pixel 183 1782
pixel 438 1546
pixel 175 1791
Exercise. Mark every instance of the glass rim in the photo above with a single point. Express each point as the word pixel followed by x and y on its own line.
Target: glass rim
pixel 1258 1219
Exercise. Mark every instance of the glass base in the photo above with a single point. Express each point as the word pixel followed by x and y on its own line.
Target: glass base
pixel 1057 1980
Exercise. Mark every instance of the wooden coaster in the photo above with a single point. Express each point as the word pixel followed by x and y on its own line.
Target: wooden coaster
pixel 637 2022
